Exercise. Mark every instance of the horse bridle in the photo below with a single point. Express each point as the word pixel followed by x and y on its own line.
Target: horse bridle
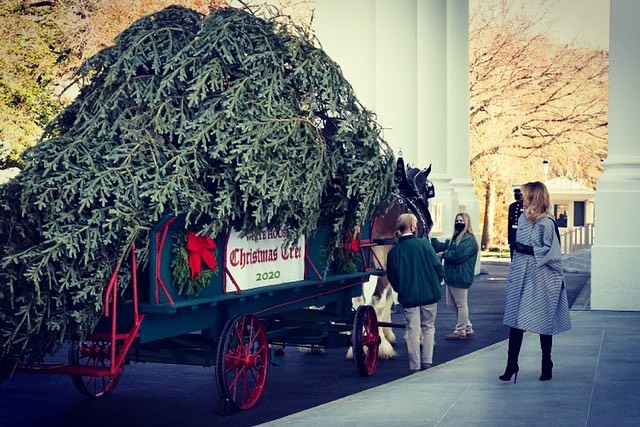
pixel 410 203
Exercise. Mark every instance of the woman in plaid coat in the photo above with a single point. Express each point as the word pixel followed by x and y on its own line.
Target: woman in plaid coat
pixel 535 296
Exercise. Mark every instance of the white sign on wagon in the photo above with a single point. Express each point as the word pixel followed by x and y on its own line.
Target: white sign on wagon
pixel 263 259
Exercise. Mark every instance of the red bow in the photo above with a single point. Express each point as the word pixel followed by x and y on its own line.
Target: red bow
pixel 200 249
pixel 352 243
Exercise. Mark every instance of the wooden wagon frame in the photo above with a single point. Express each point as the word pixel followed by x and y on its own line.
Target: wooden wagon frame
pixel 231 330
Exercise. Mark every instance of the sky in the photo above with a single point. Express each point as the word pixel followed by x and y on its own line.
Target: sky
pixel 583 23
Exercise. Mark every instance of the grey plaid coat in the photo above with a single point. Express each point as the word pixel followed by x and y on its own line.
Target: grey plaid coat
pixel 535 296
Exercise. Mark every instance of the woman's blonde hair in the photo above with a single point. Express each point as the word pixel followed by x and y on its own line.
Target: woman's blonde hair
pixel 405 223
pixel 536 199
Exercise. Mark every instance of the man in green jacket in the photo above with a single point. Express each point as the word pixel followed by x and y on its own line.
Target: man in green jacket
pixel 415 272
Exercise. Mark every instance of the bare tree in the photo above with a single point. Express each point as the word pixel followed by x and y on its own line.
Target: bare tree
pixel 531 99
pixel 89 26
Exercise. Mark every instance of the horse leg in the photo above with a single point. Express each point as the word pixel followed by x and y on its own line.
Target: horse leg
pixel 385 351
pixel 386 316
pixel 382 301
pixel 358 301
pixel 314 349
pixel 367 289
pixel 355 303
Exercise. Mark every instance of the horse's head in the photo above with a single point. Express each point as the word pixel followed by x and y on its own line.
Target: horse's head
pixel 415 190
pixel 419 178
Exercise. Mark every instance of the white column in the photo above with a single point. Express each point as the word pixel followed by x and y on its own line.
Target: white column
pixel 346 31
pixel 458 114
pixel 432 107
pixel 615 268
pixel 396 98
pixel 458 140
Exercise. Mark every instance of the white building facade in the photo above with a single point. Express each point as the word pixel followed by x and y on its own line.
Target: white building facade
pixel 408 62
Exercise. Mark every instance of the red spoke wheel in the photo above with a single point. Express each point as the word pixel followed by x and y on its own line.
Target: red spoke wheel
pixel 366 340
pixel 242 361
pixel 93 354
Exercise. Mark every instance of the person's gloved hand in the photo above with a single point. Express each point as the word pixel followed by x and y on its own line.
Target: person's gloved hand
pixel 524 249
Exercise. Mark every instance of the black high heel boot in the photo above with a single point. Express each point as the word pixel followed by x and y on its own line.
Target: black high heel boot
pixel 515 342
pixel 510 371
pixel 546 342
pixel 547 366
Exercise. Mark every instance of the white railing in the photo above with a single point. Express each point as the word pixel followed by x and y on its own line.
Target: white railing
pixel 576 238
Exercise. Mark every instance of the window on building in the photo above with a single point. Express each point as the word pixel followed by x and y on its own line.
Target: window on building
pixel 560 213
pixel 578 214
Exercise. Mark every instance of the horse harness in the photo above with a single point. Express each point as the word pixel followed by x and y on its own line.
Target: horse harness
pixel 409 195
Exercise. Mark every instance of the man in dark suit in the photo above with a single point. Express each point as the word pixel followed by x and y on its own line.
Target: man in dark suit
pixel 515 209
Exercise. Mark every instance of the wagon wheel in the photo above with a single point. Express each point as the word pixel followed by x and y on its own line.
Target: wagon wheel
pixel 242 361
pixel 93 353
pixel 366 340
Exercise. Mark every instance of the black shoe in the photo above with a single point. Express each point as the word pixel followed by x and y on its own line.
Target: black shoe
pixel 547 366
pixel 510 371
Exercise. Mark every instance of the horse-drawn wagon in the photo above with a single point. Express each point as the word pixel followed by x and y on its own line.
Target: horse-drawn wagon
pixel 260 290
pixel 264 132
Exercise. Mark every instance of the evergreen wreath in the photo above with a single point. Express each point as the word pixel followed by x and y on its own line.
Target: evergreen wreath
pixel 183 280
pixel 345 259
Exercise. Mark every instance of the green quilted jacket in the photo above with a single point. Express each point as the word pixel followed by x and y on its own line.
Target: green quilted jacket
pixel 415 272
pixel 459 260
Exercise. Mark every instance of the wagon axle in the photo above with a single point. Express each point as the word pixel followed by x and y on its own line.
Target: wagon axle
pixel 244 361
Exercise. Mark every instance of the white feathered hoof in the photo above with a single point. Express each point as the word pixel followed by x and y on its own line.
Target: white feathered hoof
pixel 314 349
pixel 386 351
pixel 350 353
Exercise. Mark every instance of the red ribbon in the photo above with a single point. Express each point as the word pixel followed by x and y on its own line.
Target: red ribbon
pixel 352 243
pixel 200 250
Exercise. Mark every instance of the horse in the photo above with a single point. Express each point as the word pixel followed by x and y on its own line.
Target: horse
pixel 412 195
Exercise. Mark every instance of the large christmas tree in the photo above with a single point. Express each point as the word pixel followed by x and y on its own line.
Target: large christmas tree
pixel 231 119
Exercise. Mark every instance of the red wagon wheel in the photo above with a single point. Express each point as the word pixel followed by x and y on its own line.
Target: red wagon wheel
pixel 242 361
pixel 366 340
pixel 96 354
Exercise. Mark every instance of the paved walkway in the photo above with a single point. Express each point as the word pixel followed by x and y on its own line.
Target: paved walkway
pixel 596 383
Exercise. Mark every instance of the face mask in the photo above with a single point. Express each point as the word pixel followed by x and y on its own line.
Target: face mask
pixel 459 226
